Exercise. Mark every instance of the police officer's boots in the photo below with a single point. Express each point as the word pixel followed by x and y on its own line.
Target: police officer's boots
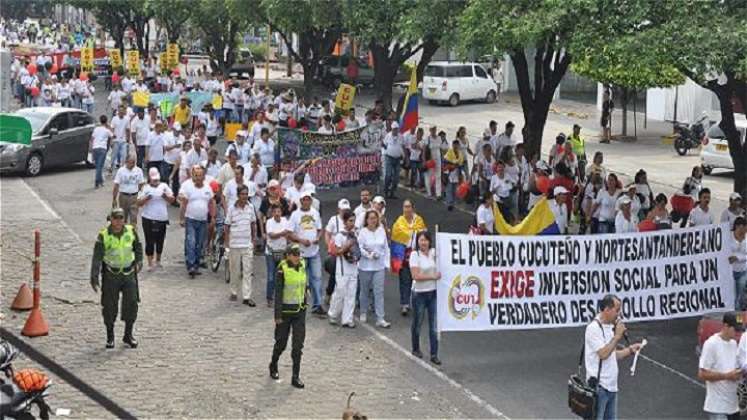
pixel 110 336
pixel 128 338
pixel 296 380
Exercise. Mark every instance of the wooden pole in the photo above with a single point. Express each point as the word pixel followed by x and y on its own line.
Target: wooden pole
pixel 267 58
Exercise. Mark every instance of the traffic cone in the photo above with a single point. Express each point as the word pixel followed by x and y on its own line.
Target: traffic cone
pixel 24 300
pixel 36 325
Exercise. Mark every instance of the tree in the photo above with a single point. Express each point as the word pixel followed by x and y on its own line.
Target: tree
pixel 713 53
pixel 21 9
pixel 172 15
pixel 220 23
pixel 139 14
pixel 317 24
pixel 395 30
pixel 112 15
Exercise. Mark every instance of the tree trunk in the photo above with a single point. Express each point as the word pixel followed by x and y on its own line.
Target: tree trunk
pixel 309 68
pixel 625 93
pixel 430 47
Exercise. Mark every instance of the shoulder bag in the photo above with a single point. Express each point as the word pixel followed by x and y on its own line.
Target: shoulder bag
pixel 582 395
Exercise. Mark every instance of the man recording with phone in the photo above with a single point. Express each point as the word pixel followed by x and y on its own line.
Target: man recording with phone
pixel 602 336
pixel 719 368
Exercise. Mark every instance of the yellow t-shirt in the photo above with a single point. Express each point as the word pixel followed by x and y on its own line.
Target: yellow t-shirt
pixel 181 115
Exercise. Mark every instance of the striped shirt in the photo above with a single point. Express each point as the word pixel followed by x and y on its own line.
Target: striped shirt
pixel 240 220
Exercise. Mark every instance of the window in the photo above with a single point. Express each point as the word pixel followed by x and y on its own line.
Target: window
pixel 465 71
pixel 479 72
pixel 81 120
pixel 61 122
pixel 434 71
pixel 453 71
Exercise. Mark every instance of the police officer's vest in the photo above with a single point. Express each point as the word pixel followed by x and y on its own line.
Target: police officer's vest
pixel 577 143
pixel 118 253
pixel 294 289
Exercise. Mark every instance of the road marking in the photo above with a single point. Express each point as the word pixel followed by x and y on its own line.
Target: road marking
pixel 471 395
pixel 51 211
pixel 674 371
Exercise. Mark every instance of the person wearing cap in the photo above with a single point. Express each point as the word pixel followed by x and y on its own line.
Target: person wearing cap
pixel 626 220
pixel 347 253
pixel 291 283
pixel 196 211
pixel 701 215
pixel 117 258
pixel 242 147
pixel 379 204
pixel 738 261
pixel 730 214
pixel 307 232
pixel 239 230
pixel 393 152
pixel 631 192
pixel 334 226
pixel 154 199
pixel 559 209
pixel 579 149
pixel 721 368
pixel 128 181
pixel 183 112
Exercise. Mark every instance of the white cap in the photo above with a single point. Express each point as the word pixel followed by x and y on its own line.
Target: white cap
pixel 625 200
pixel 379 200
pixel 559 190
pixel 177 126
pixel 735 196
pixel 241 133
pixel 343 204
pixel 394 125
pixel 543 166
pixel 274 183
pixel 304 194
pixel 154 174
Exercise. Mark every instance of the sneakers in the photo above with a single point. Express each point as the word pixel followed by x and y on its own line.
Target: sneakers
pixel 417 353
pixel 382 323
pixel 249 303
pixel 362 318
pixel 333 321
pixel 435 360
pixel 349 325
pixel 405 310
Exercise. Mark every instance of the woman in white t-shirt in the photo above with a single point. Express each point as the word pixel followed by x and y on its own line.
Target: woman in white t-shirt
pixel 604 207
pixel 485 217
pixel 374 246
pixel 425 275
pixel 277 229
pixel 154 198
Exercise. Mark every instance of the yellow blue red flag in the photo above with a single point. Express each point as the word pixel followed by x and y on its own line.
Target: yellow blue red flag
pixel 539 221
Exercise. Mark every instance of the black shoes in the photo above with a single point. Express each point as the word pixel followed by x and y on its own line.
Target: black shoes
pixel 110 343
pixel 296 382
pixel 249 303
pixel 435 360
pixel 417 353
pixel 274 371
pixel 130 341
pixel 110 337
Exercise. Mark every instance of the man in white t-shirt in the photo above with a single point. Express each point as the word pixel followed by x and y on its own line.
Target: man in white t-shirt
pixel 99 145
pixel 701 215
pixel 720 368
pixel 139 130
pixel 306 224
pixel 601 354
pixel 115 98
pixel 154 151
pixel 559 209
pixel 626 220
pixel 346 270
pixel 239 230
pixel 128 181
pixel 197 209
pixel 121 126
pixel 265 148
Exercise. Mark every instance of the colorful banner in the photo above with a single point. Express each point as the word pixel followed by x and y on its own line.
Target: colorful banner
pixel 133 63
pixel 529 282
pixel 86 59
pixel 115 58
pixel 172 55
pixel 197 99
pixel 340 159
pixel 345 97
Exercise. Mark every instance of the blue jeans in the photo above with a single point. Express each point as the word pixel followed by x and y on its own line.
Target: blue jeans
pixel 740 283
pixel 391 179
pixel 606 405
pixel 415 173
pixel 314 273
pixel 451 193
pixel 194 239
pixel 99 157
pixel 271 267
pixel 119 153
pixel 423 302
pixel 405 286
pixel 88 108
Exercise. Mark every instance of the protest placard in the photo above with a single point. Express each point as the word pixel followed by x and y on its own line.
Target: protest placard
pixel 528 282
pixel 115 58
pixel 86 59
pixel 133 63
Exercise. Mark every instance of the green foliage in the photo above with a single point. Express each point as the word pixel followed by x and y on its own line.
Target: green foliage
pixel 259 52
pixel 220 23
pixel 22 9
pixel 171 14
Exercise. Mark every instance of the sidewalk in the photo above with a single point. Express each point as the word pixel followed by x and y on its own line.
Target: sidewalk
pixel 200 355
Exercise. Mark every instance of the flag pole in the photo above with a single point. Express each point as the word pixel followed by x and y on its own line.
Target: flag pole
pixel 435 246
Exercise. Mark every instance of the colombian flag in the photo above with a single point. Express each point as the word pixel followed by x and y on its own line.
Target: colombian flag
pixel 409 117
pixel 539 221
pixel 402 233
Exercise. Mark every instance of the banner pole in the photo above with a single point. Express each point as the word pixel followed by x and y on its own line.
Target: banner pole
pixel 435 246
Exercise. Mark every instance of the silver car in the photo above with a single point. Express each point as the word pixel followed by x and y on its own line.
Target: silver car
pixel 59 136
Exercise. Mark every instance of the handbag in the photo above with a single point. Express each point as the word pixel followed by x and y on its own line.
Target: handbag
pixel 582 395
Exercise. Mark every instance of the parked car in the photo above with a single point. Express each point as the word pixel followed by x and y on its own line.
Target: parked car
pixel 59 136
pixel 715 151
pixel 455 82
pixel 244 65
pixel 333 70
pixel 710 324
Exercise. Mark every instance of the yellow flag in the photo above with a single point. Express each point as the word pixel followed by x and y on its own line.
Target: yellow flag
pixel 133 63
pixel 86 59
pixel 345 97
pixel 115 59
pixel 140 99
pixel 217 102
pixel 172 55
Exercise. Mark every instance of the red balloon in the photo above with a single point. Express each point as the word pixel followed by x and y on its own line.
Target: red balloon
pixel 292 123
pixel 646 226
pixel 462 190
pixel 83 76
pixel 430 164
pixel 34 91
pixel 543 184
pixel 115 77
pixel 341 126
pixel 54 69
pixel 31 68
pixel 175 72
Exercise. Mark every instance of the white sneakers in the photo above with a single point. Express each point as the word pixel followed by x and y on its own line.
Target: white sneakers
pixel 362 318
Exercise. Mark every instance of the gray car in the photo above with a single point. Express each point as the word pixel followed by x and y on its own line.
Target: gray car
pixel 59 136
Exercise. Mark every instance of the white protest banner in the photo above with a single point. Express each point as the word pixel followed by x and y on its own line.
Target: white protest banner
pixel 528 282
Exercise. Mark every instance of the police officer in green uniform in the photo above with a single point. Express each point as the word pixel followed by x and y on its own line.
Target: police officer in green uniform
pixel 290 311
pixel 579 149
pixel 118 256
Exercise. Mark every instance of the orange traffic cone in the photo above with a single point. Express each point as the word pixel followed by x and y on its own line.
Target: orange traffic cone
pixel 36 325
pixel 24 300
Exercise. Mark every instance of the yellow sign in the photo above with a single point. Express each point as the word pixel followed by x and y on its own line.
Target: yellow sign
pixel 217 102
pixel 86 59
pixel 172 55
pixel 345 97
pixel 133 63
pixel 115 58
pixel 140 98
pixel 163 63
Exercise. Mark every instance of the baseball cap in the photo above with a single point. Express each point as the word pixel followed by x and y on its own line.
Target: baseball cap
pixel 304 194
pixel 117 212
pixel 395 125
pixel 625 200
pixel 559 190
pixel 730 319
pixel 735 196
pixel 543 166
pixel 177 126
pixel 154 174
pixel 293 249
pixel 274 183
pixel 379 200
pixel 343 204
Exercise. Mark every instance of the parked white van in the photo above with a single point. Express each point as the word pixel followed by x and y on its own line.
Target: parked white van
pixel 454 82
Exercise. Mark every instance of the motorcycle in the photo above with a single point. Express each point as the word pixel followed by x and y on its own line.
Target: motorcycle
pixel 688 137
pixel 16 399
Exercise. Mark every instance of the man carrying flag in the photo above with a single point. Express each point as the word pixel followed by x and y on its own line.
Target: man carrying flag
pixel 409 117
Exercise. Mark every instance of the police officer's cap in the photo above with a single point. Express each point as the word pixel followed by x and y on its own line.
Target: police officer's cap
pixel 117 212
pixel 293 249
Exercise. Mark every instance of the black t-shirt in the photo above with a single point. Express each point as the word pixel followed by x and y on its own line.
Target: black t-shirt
pixel 264 208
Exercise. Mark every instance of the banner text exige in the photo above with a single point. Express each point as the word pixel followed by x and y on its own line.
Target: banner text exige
pixel 500 282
